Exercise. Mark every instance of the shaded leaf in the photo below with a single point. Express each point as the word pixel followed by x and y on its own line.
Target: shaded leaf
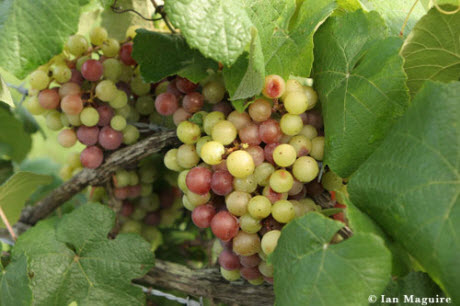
pixel 14 284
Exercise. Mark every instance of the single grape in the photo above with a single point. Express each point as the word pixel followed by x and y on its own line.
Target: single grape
pixel 88 135
pixel 269 224
pixel 185 86
pixel 193 102
pixel 262 173
pixel 73 119
pixel 110 139
pixel 105 115
pixel 166 104
pixel 246 184
pixel 139 87
pixel 225 226
pixel 145 105
pixel 212 152
pixel 64 119
pixel 291 124
pixel 239 120
pixel 188 132
pixel 331 181
pixel 172 88
pixel 118 123
pixel 284 155
pixel 240 163
pixel 89 116
pixel 92 70
pixel 210 120
pixel 269 241
pixel 301 144
pixel 250 261
pixel 110 47
pixel 250 135
pixel 229 260
pixel 313 117
pixel 231 276
pixel 270 131
pixel 274 86
pixel 213 92
pixel 224 132
pixel 33 106
pixel 223 107
pixel 246 244
pixel 181 180
pixel 296 103
pixel 98 35
pixel 281 181
pixel 283 211
pixel 201 142
pixel 131 226
pixel 53 120
pixel 112 69
pixel 252 275
pixel 125 54
pixel 202 215
pixel 305 169
pixel 49 98
pixel 249 224
pixel 272 195
pixel 259 207
pixel 260 110
pixel 237 202
pixel 170 160
pixel 77 45
pixel 309 131
pixel 198 180
pixel 196 199
pixel 187 156
pixel 266 269
pixel 130 134
pixel 120 100
pixel 39 80
pixel 312 96
pixel 180 115
pixel 292 86
pixel 257 153
pixel 68 89
pixel 106 90
pixel 67 138
pixel 296 188
pixel 91 157
pixel 62 73
pixel 222 182
pixel 317 148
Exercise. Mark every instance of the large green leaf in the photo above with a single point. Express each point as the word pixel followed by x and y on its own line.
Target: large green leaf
pixel 14 284
pixel 220 29
pixel 161 55
pixel 72 260
pixel 6 170
pixel 432 51
pixel 359 77
pixel 15 143
pixel 32 32
pixel 15 192
pixel 410 185
pixel 395 13
pixel 310 271
pixel 5 95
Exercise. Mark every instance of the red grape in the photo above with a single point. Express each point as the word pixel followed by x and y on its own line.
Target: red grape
pixel 268 151
pixel 185 86
pixel 272 195
pixel 270 224
pixel 250 135
pixel 222 182
pixel 76 77
pixel 127 209
pixel 250 261
pixel 49 98
pixel 88 135
pixel 221 166
pixel 202 215
pixel 110 139
pixel 257 153
pixel 92 70
pixel 223 107
pixel 314 188
pixel 250 273
pixel 268 280
pixel 105 115
pixel 167 197
pixel 193 102
pixel 198 180
pixel 91 157
pixel 121 193
pixel 125 54
pixel 166 104
pixel 224 225
pixel 72 104
pixel 270 131
pixel 152 218
pixel 313 117
pixel 229 260
pixel 180 115
pixel 172 88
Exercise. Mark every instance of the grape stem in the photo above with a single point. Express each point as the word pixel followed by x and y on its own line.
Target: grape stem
pixel 160 10
pixel 118 10
pixel 7 224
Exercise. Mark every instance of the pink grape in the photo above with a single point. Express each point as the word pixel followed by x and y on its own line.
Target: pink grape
pixel 125 54
pixel 229 260
pixel 110 139
pixel 250 261
pixel 172 88
pixel 49 98
pixel 202 215
pixel 127 209
pixel 72 104
pixel 134 191
pixel 268 150
pixel 224 225
pixel 270 131
pixel 91 157
pixel 121 193
pixel 166 104
pixel 88 135
pixel 222 182
pixel 67 138
pixel 185 86
pixel 250 135
pixel 250 273
pixel 76 77
pixel 69 88
pixel 270 224
pixel 193 102
pixel 223 107
pixel 198 180
pixel 180 115
pixel 152 218
pixel 105 114
pixel 257 153
pixel 92 70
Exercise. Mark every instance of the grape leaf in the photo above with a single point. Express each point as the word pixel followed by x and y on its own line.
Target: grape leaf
pixel 6 170
pixel 395 12
pixel 309 270
pixel 31 33
pixel 219 29
pixel 415 283
pixel 410 185
pixel 14 284
pixel 15 192
pixel 16 143
pixel 432 51
pixel 161 55
pixel 359 77
pixel 5 95
pixel 72 260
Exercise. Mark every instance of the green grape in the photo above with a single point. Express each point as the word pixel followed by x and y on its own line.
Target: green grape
pixel 284 155
pixel 118 123
pixel 126 73
pixel 81 61
pixel 73 160
pixel 146 189
pixel 152 235
pixel 317 148
pixel 240 163
pixel 291 124
pixel 292 86
pixel 201 142
pixel 74 119
pixel 131 31
pixel 122 178
pixel 269 241
pixel 301 144
pixel 110 47
pixel 33 106
pixel 187 204
pixel 249 225
pixel 131 226
pixel 198 118
pixel 139 87
pixel 259 207
pixel 266 269
pixel 198 199
pixel 213 92
pixel 112 69
pixel 263 172
pixel 245 244
pixel 77 45
pixel 308 205
pixel 188 132
pixel 133 178
pixel 161 88
pixel 62 73
pixel 283 211
pixel 246 184
pixel 170 161
pixel 309 131
pixel 150 202
pixel 230 275
pixel 89 116
pixel 106 90
pixel 64 119
pixel 298 208
pixel 331 181
pixel 148 174
pixel 224 132
pixel 123 111
pixel 53 120
pixel 130 134
pixel 305 169
pixel 39 80
pixel 145 105
pixel 187 156
pixel 181 181
pixel 296 103
pixel 237 202
pixel 98 35
pixel 312 96
pixel 133 115
pixel 210 120
pixel 66 172
pixel 211 152
pixel 281 181
pixel 256 282
pixel 138 214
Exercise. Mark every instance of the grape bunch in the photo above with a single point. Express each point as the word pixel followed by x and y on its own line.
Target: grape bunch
pixel 93 93
pixel 246 174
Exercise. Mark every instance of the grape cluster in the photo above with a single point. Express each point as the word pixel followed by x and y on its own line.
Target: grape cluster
pixel 246 174
pixel 93 92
